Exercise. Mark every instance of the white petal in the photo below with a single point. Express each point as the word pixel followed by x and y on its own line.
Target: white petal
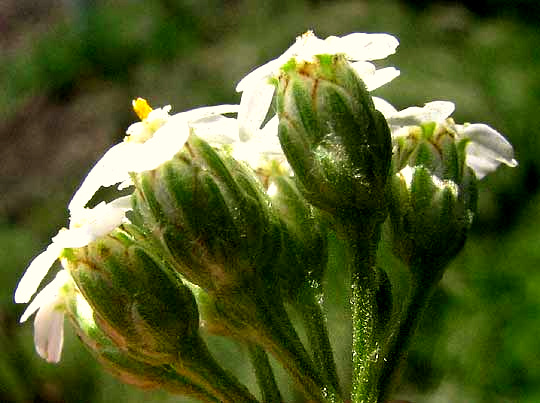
pixel 125 184
pixel 87 225
pixel 169 139
pixel 254 106
pixel 123 203
pixel 204 112
pixel 74 238
pixel 49 332
pixel 362 46
pixel 407 175
pixel 308 46
pixel 47 295
pixel 270 129
pixel 436 111
pixel 260 74
pixel 109 218
pixel 263 146
pixel 116 164
pixel 108 171
pixel 303 48
pixel 166 142
pixel 364 69
pixel 481 165
pixel 487 148
pixel 244 151
pixel 96 227
pixel 381 77
pixel 217 130
pixel 36 272
pixel 384 107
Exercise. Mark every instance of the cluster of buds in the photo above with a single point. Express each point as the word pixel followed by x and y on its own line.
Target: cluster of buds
pixel 226 228
pixel 436 165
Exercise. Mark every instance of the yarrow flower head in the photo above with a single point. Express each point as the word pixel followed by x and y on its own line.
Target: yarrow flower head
pixel 359 48
pixel 485 148
pixel 436 165
pixel 86 225
pixel 151 142
pixel 337 143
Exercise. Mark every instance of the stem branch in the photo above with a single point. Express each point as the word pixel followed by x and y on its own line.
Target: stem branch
pixel 265 375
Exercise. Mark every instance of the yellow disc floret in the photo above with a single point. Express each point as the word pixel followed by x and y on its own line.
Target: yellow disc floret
pixel 151 121
pixel 141 108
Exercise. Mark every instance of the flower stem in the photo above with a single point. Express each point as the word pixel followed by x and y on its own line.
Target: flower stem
pixel 197 364
pixel 315 324
pixel 286 347
pixel 397 347
pixel 366 357
pixel 265 322
pixel 177 384
pixel 265 375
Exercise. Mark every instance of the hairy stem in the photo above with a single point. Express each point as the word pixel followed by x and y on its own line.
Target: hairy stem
pixel 315 324
pixel 400 340
pixel 265 375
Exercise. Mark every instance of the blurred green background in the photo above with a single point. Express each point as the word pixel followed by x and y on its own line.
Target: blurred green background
pixel 68 72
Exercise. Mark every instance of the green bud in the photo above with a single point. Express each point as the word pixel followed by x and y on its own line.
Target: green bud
pixel 430 217
pixel 123 366
pixel 434 196
pixel 337 143
pixel 211 215
pixel 144 308
pixel 434 147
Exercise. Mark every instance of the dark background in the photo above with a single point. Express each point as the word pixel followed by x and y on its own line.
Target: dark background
pixel 68 72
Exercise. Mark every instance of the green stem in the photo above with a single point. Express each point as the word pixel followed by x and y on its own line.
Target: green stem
pixel 258 316
pixel 419 295
pixel 283 343
pixel 198 365
pixel 315 324
pixel 173 382
pixel 265 375
pixel 366 356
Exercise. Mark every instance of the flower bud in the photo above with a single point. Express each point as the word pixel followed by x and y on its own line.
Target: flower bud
pixel 335 140
pixel 143 307
pixel 211 215
pixel 433 146
pixel 128 369
pixel 430 216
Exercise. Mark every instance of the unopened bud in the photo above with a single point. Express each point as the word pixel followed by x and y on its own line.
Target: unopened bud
pixel 211 214
pixel 119 363
pixel 143 307
pixel 335 140
pixel 430 216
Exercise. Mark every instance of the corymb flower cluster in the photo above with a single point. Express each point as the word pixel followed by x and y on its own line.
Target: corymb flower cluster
pixel 225 226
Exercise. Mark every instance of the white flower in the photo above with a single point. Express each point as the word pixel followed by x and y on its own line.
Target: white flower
pixel 436 111
pixel 357 47
pixel 86 225
pixel 150 143
pixel 486 148
pixel 49 320
pixel 257 151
